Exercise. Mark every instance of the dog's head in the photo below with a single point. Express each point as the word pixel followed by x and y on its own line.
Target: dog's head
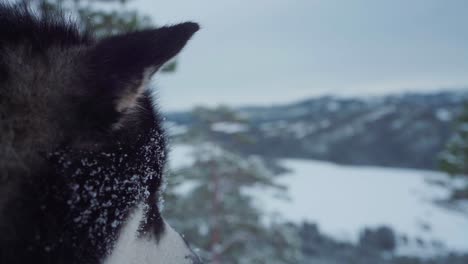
pixel 82 150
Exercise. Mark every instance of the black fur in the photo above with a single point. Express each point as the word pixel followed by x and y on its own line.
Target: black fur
pixel 18 24
pixel 73 165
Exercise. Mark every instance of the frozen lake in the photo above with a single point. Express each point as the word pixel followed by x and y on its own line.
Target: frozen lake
pixel 345 199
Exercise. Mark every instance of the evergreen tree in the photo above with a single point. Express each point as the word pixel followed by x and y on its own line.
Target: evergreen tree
pixel 211 201
pixel 204 123
pixel 454 160
pixel 210 204
pixel 102 22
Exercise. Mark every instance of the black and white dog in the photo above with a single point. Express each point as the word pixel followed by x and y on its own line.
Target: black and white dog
pixel 82 150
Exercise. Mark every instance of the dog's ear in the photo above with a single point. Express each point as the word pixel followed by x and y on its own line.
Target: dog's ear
pixel 119 66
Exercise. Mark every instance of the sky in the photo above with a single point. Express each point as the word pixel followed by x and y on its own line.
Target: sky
pixel 266 52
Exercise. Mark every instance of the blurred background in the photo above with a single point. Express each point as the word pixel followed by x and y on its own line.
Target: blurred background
pixel 311 131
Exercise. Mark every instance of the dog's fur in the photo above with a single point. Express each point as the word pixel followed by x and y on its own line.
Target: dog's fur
pixel 81 146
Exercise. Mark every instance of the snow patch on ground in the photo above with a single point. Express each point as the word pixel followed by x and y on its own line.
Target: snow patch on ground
pixel 229 127
pixel 180 156
pixel 443 114
pixel 174 129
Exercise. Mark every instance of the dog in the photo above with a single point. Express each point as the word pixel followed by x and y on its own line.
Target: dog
pixel 82 148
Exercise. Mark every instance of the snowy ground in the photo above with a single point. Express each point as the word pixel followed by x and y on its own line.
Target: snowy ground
pixel 345 199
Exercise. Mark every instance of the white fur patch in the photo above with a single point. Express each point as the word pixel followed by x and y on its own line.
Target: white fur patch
pixel 129 100
pixel 131 249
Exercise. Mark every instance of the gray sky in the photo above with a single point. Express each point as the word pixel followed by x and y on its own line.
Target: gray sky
pixel 277 51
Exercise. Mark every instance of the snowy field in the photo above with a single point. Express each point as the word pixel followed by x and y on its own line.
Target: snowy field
pixel 345 199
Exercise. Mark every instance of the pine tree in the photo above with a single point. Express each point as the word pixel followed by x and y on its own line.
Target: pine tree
pixel 212 203
pixel 221 216
pixel 454 159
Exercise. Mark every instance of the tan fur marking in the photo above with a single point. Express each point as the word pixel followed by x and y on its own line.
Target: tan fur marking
pixel 130 99
pixel 128 103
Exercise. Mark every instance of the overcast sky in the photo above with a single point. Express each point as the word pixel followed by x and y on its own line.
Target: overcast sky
pixel 277 51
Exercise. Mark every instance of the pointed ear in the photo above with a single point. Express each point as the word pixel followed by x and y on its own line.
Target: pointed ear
pixel 120 65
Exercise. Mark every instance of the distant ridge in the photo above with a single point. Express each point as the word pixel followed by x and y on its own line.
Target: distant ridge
pixel 399 130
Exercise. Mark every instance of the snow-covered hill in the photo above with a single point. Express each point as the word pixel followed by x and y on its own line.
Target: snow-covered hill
pixel 407 130
pixel 344 200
